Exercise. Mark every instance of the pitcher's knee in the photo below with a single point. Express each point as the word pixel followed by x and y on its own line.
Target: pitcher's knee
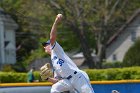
pixel 53 90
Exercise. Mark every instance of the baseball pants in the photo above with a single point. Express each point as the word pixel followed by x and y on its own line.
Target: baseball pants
pixel 79 83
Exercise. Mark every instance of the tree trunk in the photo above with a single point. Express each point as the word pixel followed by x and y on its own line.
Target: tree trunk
pixel 85 46
pixel 100 54
pixel 100 50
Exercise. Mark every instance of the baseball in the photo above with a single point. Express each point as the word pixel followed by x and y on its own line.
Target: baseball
pixel 60 15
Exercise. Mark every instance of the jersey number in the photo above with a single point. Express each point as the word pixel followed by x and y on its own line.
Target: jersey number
pixel 60 62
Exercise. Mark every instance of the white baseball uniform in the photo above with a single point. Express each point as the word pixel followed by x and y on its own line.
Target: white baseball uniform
pixel 72 78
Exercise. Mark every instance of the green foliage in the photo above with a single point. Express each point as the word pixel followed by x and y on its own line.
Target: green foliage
pixel 34 27
pixel 116 64
pixel 114 74
pixel 9 77
pixel 132 73
pixel 18 67
pixel 35 18
pixel 8 68
pixel 14 77
pixel 132 57
pixel 96 74
pixel 37 76
pixel 36 54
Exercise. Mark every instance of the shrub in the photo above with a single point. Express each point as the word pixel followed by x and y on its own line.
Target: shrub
pixel 94 74
pixel 114 73
pixel 9 77
pixel 8 68
pixel 116 64
pixel 132 57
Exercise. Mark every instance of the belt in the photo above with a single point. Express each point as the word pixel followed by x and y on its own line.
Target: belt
pixel 70 76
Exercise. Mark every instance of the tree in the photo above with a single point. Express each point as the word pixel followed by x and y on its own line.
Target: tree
pixel 34 27
pixel 90 21
pixel 28 33
pixel 74 14
pixel 132 56
pixel 24 36
pixel 101 18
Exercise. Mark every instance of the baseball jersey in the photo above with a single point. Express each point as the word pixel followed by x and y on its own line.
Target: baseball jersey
pixel 62 64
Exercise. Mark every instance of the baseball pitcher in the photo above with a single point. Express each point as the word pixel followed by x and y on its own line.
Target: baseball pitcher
pixel 67 76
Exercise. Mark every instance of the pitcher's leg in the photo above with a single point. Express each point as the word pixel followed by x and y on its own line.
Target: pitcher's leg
pixel 61 86
pixel 82 84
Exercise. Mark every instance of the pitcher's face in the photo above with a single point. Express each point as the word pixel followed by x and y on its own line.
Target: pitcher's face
pixel 48 49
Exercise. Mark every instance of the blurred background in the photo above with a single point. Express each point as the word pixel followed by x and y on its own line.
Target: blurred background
pixel 97 31
pixel 96 34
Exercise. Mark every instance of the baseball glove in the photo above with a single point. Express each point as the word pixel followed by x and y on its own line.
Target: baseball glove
pixel 45 71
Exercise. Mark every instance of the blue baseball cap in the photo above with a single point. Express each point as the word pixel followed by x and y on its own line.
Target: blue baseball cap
pixel 46 43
